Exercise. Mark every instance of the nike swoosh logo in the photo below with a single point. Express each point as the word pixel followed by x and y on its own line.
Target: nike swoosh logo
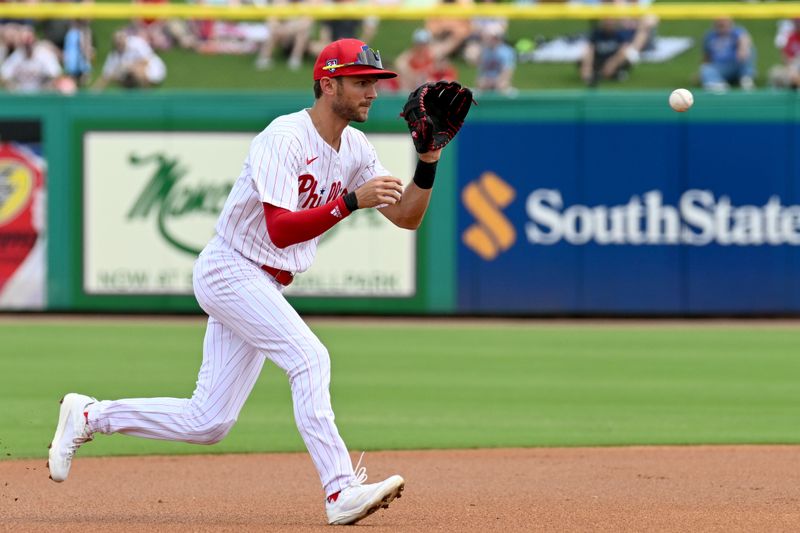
pixel 309 161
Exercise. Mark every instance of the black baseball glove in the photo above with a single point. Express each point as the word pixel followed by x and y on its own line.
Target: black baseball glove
pixel 435 112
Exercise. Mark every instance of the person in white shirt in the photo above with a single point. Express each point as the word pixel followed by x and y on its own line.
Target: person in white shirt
pixel 132 63
pixel 31 67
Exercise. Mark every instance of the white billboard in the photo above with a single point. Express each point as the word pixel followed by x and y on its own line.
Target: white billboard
pixel 151 200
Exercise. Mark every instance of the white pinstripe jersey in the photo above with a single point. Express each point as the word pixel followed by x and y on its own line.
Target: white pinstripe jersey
pixel 290 166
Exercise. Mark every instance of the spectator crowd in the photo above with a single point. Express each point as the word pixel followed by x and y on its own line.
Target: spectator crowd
pixel 60 55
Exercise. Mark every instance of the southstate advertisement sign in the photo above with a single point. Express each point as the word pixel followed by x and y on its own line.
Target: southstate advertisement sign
pixel 644 217
pixel 698 218
pixel 22 261
pixel 151 201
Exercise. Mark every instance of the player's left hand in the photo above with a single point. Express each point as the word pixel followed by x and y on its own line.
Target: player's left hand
pixel 383 190
pixel 435 113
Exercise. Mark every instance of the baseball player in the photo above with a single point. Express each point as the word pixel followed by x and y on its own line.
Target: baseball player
pixel 303 174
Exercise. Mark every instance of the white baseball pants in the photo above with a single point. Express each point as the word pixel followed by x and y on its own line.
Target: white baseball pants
pixel 249 321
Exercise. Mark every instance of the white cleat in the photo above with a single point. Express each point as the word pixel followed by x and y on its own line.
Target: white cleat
pixel 357 501
pixel 71 432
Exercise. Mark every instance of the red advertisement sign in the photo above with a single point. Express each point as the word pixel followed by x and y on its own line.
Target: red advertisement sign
pixel 22 217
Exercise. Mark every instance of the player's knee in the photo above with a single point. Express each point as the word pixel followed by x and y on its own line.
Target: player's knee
pixel 318 358
pixel 314 360
pixel 213 433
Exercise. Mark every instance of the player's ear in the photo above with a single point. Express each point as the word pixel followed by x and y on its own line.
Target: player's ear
pixel 327 86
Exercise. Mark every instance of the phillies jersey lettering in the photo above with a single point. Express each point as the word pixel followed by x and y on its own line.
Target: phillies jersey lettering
pixel 308 184
pixel 290 166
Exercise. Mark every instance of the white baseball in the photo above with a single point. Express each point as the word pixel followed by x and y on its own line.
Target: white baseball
pixel 681 100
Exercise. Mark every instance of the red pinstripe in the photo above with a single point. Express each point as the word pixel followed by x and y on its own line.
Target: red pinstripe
pixel 250 320
pixel 277 157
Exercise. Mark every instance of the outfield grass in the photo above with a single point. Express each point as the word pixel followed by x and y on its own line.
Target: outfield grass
pixel 432 386
pixel 189 70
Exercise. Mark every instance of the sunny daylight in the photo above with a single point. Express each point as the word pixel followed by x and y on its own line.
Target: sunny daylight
pixel 407 266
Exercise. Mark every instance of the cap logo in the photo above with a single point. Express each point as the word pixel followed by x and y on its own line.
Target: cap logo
pixel 331 64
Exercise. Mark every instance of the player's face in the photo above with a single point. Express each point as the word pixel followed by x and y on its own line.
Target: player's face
pixel 354 96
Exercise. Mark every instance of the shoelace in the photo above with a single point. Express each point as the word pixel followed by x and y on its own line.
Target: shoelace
pixel 76 443
pixel 83 438
pixel 360 472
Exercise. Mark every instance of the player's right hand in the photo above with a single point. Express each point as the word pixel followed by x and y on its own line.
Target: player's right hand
pixel 383 190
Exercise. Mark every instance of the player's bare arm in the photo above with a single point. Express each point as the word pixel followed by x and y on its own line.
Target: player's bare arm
pixel 409 211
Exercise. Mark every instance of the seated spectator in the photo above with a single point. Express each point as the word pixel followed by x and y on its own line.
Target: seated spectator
pixel 784 30
pixel 728 57
pixel 154 31
pixel 787 75
pixel 641 33
pixel 474 43
pixel 131 63
pixel 449 34
pixel 229 37
pixel 497 62
pixel 10 31
pixel 221 36
pixel 606 54
pixel 204 29
pixel 78 52
pixel 292 35
pixel 7 40
pixel 32 66
pixel 333 30
pixel 183 33
pixel 413 64
pixel 55 31
pixel 419 64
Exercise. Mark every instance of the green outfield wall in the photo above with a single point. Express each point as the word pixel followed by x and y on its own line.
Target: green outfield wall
pixel 135 180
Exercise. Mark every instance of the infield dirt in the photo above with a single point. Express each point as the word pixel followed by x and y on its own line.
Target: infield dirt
pixel 697 488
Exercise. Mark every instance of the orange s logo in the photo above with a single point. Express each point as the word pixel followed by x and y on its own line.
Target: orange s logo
pixel 484 198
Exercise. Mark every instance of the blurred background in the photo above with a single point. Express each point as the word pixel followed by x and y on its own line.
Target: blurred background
pixel 573 190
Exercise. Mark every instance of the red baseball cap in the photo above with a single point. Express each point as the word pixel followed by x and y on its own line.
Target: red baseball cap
pixel 349 57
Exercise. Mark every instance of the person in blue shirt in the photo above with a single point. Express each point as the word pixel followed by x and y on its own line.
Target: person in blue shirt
pixel 728 57
pixel 78 52
pixel 497 62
